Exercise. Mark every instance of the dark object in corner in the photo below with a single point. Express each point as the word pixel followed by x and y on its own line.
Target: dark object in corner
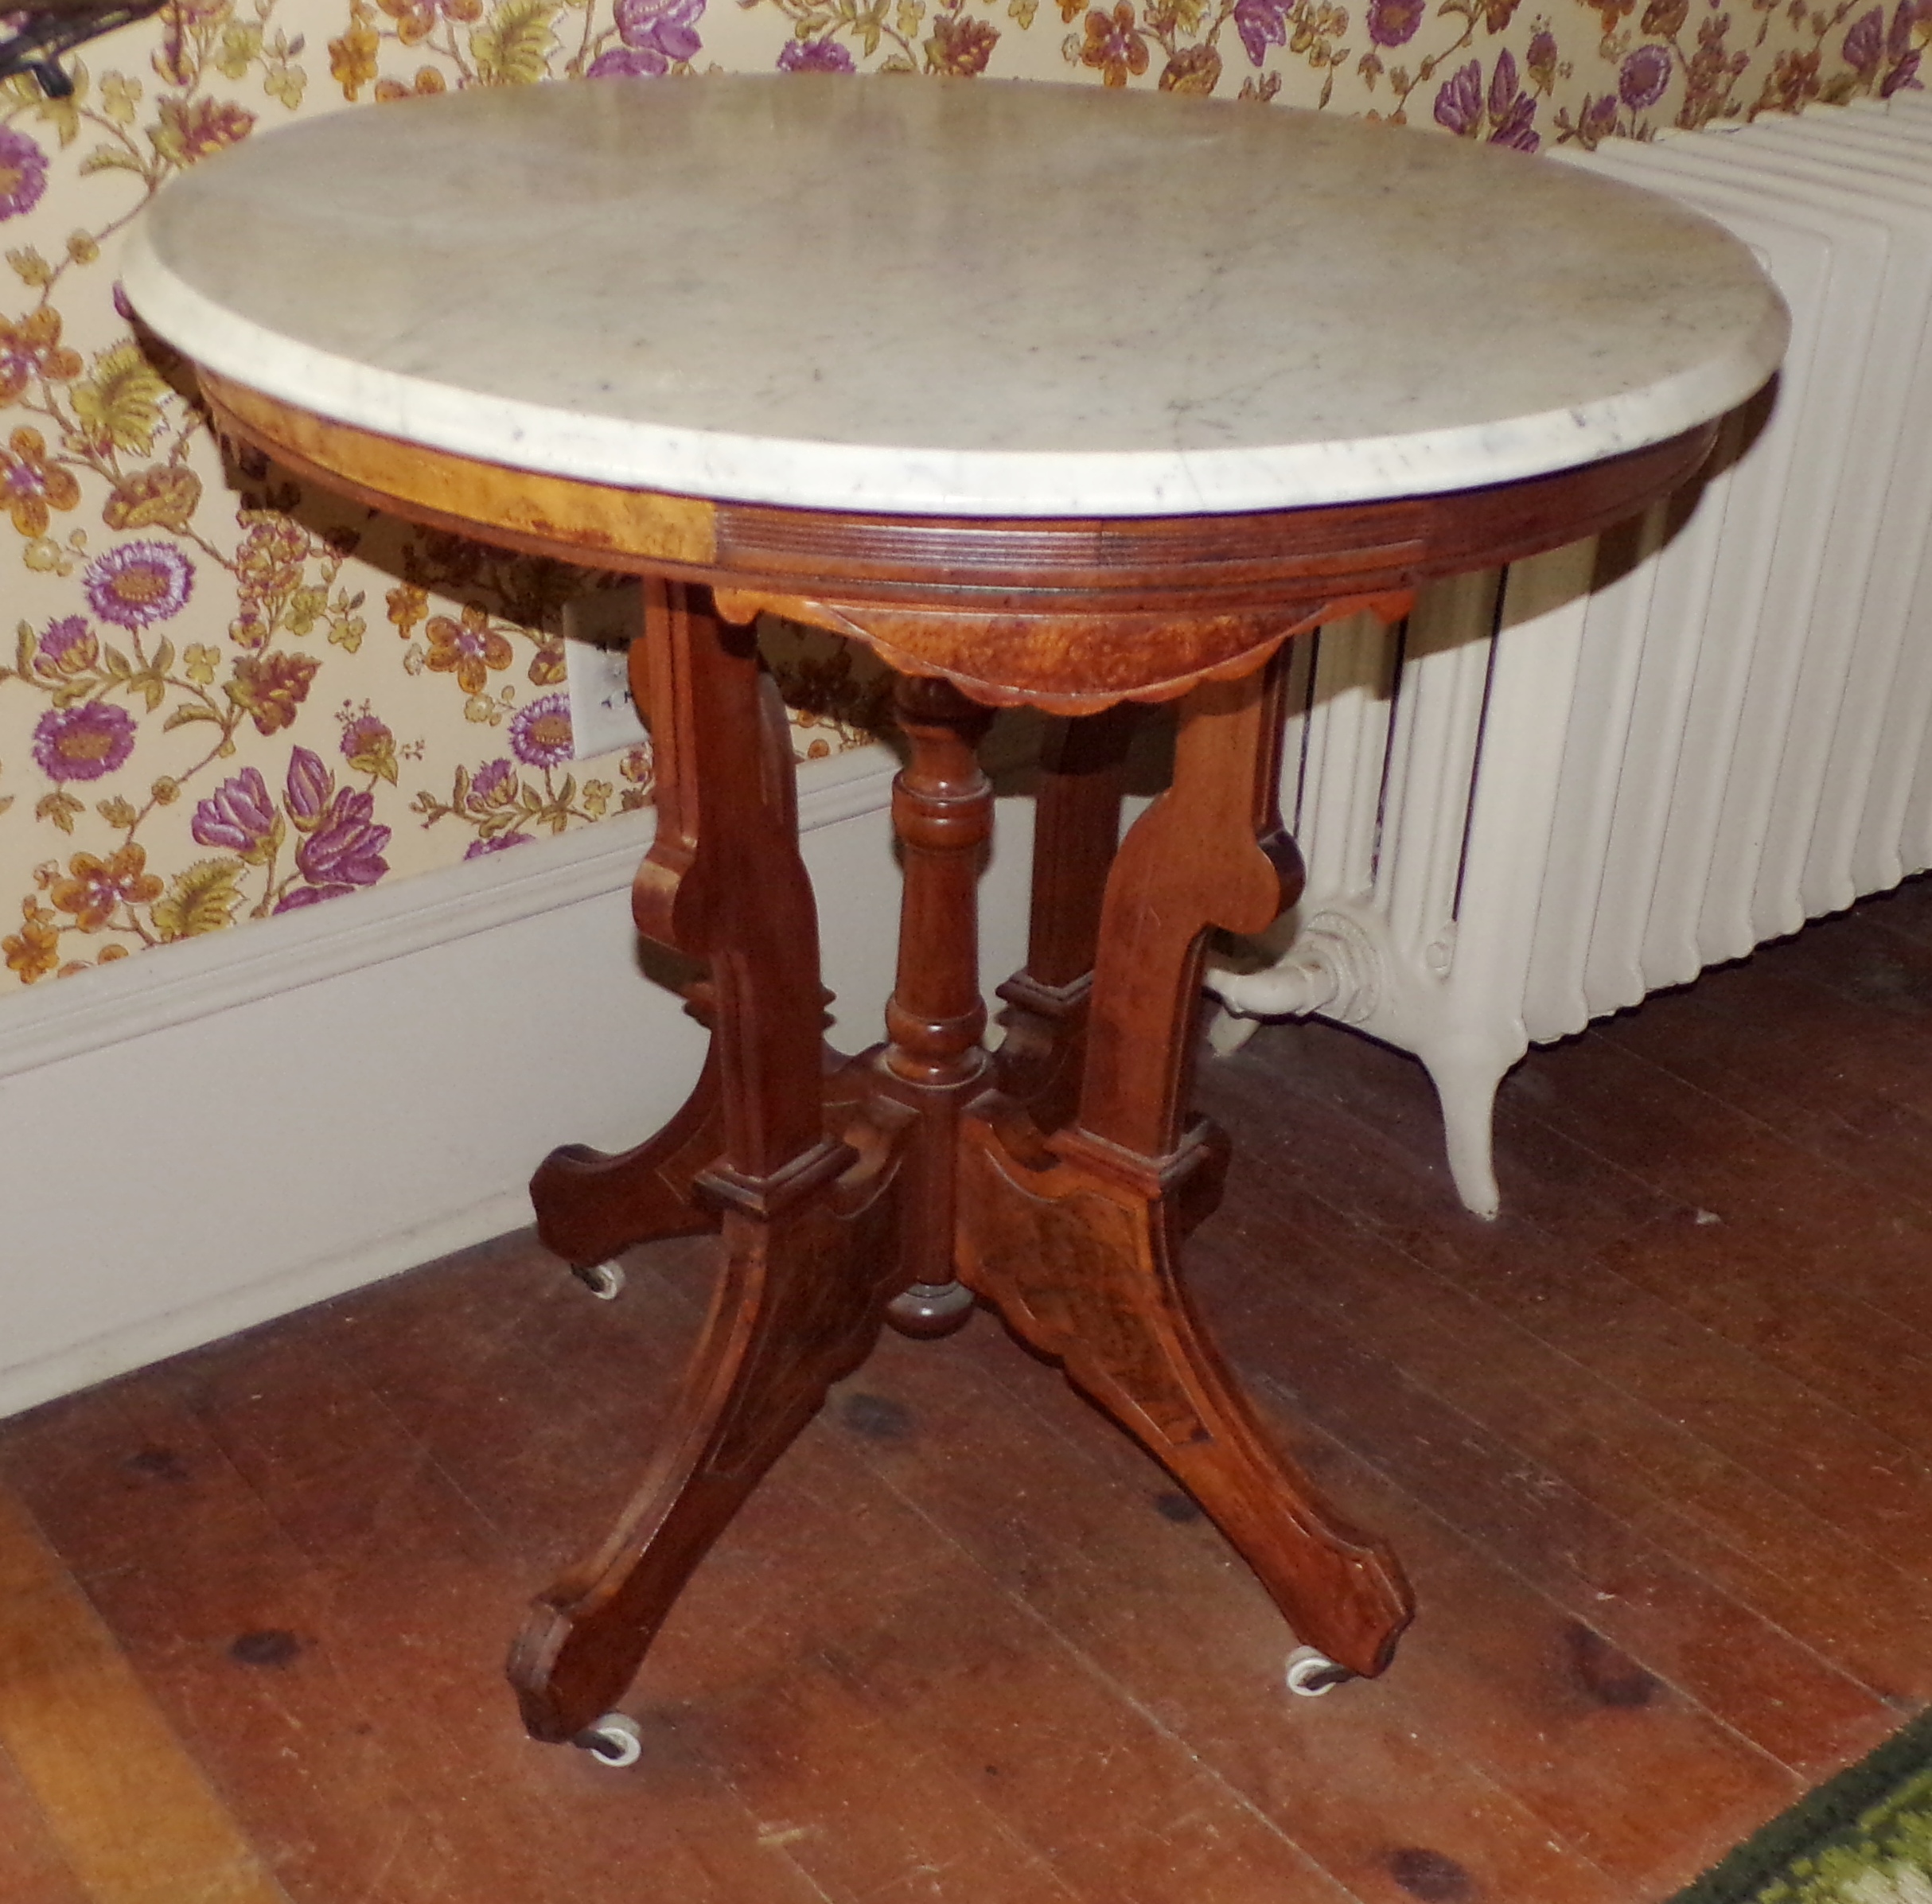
pixel 36 32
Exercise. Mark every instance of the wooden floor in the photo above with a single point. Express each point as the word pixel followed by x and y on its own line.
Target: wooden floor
pixel 1656 1449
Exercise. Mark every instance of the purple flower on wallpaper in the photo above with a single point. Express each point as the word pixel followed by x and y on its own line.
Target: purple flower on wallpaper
pixel 493 782
pixel 66 646
pixel 1865 43
pixel 23 173
pixel 239 814
pixel 665 26
pixel 1393 22
pixel 1512 111
pixel 1900 51
pixel 479 847
pixel 1643 76
pixel 1907 15
pixel 139 584
pixel 298 897
pixel 1902 76
pixel 1458 104
pixel 814 56
pixel 60 634
pixel 346 849
pixel 83 742
pixel 1261 24
pixel 628 63
pixel 1597 120
pixel 309 785
pixel 540 733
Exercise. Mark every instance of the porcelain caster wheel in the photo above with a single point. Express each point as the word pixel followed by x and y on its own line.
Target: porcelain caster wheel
pixel 1310 1673
pixel 614 1738
pixel 604 1280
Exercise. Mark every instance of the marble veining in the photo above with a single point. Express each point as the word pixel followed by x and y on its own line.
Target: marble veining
pixel 946 298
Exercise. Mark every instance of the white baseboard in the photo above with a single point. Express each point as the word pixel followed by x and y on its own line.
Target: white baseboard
pixel 199 1139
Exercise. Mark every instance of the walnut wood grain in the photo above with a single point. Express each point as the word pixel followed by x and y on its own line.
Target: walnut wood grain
pixel 1070 615
pixel 1075 1236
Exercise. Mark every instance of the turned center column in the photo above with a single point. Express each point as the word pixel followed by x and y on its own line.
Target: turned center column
pixel 942 815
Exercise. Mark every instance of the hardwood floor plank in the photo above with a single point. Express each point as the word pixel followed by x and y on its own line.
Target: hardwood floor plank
pixel 1664 1486
pixel 357 1716
pixel 1862 1482
pixel 133 1816
pixel 1848 1603
pixel 32 1868
pixel 1068 1516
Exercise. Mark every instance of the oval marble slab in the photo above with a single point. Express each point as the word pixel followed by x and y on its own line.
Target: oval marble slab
pixel 951 297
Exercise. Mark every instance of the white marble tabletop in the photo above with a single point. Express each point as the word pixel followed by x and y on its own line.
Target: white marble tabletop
pixel 951 297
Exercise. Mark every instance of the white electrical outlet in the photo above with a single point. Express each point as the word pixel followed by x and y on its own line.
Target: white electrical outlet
pixel 597 628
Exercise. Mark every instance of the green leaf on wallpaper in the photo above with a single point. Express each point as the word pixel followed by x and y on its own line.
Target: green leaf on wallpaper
pixel 118 813
pixel 121 399
pixel 60 806
pixel 513 46
pixel 241 40
pixel 189 710
pixel 202 899
pixel 111 158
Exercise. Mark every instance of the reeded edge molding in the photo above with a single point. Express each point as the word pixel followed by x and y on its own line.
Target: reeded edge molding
pixel 175 985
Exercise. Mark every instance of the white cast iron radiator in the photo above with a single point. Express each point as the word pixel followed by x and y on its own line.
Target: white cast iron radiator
pixel 1558 788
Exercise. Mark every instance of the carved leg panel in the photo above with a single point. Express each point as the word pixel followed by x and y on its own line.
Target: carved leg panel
pixel 1080 1261
pixel 725 849
pixel 590 1205
pixel 1074 1235
pixel 1076 827
pixel 800 1305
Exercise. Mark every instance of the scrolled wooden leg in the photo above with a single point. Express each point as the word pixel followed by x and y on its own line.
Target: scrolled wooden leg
pixel 1074 1235
pixel 590 1205
pixel 806 1274
pixel 800 1304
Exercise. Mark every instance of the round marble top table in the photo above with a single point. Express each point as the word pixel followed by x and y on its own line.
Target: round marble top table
pixel 1001 298
pixel 1053 397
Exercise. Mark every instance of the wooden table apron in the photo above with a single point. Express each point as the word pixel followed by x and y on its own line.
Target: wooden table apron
pixel 1056 1178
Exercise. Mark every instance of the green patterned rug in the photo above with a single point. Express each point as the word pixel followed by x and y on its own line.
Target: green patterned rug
pixel 1865 1838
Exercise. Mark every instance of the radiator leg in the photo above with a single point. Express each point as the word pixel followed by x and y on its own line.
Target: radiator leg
pixel 1466 1080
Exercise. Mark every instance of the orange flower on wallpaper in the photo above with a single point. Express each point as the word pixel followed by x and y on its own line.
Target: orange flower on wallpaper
pixel 960 45
pixel 470 649
pixel 1113 46
pixel 1194 69
pixel 270 687
pixel 95 888
pixel 416 19
pixel 30 485
pixel 31 348
pixel 35 950
pixel 428 80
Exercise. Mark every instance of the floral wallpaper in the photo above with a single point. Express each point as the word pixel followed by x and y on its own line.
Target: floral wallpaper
pixel 223 697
